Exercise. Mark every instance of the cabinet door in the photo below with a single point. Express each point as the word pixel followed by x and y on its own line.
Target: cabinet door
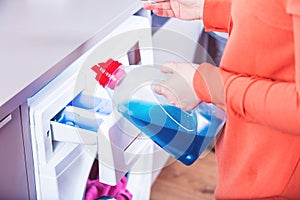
pixel 13 178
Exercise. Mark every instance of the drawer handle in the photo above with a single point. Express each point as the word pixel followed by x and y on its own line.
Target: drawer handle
pixel 4 121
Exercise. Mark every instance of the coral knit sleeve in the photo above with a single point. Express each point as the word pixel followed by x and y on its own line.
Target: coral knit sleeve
pixel 269 102
pixel 252 97
pixel 217 15
pixel 258 153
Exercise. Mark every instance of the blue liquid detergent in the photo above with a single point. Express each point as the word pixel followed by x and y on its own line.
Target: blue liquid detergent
pixel 176 131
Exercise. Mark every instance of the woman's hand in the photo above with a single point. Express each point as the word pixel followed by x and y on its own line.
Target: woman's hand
pixel 189 83
pixel 178 88
pixel 181 9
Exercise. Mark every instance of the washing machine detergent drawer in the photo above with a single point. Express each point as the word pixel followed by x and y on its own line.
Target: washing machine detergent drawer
pixel 80 133
pixel 72 121
pixel 91 121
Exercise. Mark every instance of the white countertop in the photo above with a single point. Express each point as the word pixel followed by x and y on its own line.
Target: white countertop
pixel 38 39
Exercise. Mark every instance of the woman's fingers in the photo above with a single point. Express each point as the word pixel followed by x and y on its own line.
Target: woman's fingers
pixel 161 8
pixel 178 67
pixel 163 89
pixel 168 68
pixel 164 13
pixel 154 1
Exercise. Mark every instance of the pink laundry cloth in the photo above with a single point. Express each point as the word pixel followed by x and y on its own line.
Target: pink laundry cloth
pixel 96 189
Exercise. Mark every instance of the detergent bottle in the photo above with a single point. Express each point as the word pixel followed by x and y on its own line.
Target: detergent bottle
pixel 185 135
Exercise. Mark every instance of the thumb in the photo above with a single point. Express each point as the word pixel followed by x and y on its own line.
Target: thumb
pixel 164 89
pixel 169 67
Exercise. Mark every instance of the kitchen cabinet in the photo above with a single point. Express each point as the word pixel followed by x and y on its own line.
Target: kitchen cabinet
pixel 13 176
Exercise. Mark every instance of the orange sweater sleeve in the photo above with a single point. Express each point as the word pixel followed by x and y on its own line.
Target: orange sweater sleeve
pixel 217 15
pixel 272 103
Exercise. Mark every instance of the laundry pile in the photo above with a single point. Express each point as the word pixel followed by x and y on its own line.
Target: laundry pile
pixel 96 189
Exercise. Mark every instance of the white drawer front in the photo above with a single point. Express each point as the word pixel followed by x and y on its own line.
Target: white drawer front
pixel 59 147
pixel 117 141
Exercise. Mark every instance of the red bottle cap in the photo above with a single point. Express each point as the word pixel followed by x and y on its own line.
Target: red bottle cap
pixel 105 71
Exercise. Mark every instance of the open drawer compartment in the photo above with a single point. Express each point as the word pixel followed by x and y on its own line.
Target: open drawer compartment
pixel 91 121
pixel 63 152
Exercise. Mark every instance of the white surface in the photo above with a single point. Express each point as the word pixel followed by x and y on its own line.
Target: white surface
pixel 61 170
pixel 40 38
pixel 222 35
pixel 177 41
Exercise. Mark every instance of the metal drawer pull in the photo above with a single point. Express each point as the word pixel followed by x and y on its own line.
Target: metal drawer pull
pixel 4 121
